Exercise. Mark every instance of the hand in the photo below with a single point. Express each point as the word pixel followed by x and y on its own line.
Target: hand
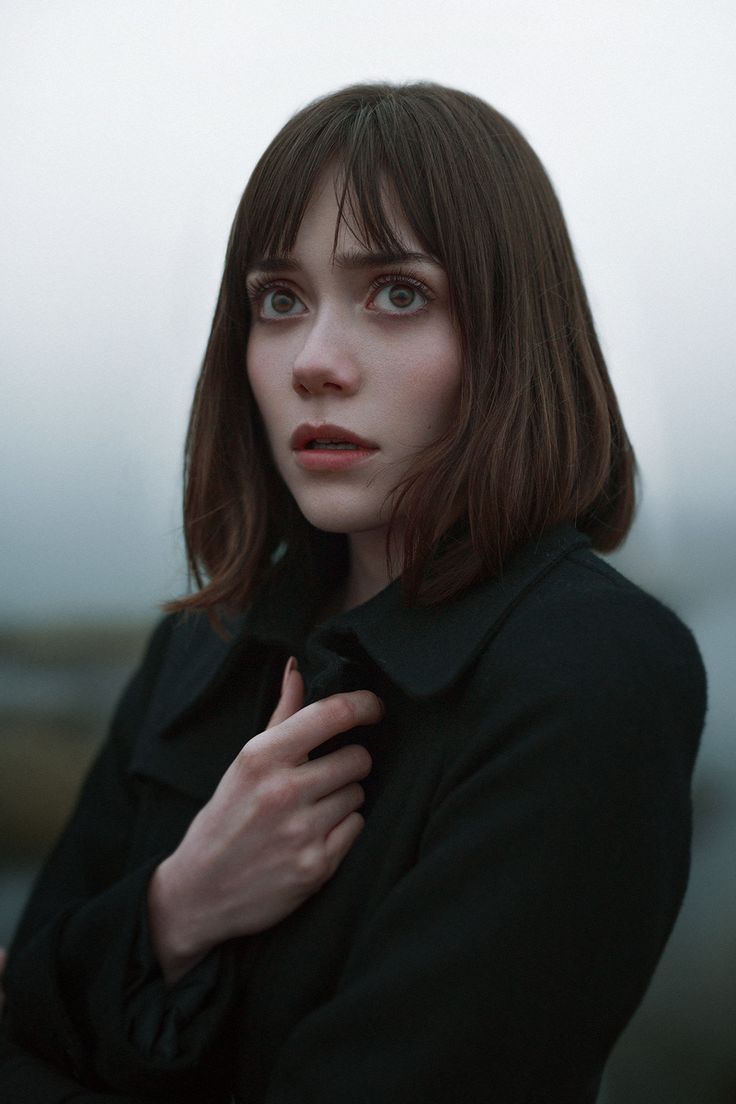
pixel 275 830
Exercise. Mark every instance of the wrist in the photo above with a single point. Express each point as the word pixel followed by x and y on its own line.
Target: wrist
pixel 175 941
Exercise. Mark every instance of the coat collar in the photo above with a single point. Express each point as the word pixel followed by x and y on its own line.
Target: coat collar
pixel 425 649
pixel 422 649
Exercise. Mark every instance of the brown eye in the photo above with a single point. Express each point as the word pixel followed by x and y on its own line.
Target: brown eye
pixel 401 296
pixel 276 302
pixel 282 301
pixel 398 295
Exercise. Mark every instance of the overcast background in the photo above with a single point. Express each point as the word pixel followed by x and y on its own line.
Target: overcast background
pixel 129 129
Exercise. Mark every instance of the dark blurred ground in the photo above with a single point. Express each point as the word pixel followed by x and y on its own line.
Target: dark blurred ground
pixel 58 687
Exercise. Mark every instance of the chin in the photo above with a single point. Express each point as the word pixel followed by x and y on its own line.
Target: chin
pixel 331 517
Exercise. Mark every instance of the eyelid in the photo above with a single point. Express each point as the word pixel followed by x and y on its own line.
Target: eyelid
pixel 261 285
pixel 405 277
pixel 258 285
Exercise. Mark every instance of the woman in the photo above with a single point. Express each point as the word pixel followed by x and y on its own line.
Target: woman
pixel 439 858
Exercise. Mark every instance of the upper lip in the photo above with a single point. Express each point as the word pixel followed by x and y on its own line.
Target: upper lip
pixel 305 433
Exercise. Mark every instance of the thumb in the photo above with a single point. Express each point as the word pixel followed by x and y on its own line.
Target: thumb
pixel 292 694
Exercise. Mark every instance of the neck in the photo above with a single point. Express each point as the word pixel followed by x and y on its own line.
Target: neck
pixel 367 574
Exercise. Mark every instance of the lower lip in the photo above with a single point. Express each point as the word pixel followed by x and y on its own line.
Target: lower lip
pixel 332 459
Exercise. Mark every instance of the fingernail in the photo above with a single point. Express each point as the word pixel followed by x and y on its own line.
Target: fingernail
pixel 287 671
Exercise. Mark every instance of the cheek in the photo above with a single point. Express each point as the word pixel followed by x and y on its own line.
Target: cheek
pixel 254 366
pixel 262 380
pixel 433 383
pixel 268 413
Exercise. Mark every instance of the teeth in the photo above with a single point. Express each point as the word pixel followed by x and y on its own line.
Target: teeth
pixel 332 444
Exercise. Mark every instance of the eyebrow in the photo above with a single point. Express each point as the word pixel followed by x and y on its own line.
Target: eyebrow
pixel 348 259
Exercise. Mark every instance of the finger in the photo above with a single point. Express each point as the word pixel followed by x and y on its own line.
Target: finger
pixel 320 777
pixel 332 809
pixel 292 694
pixel 292 739
pixel 341 839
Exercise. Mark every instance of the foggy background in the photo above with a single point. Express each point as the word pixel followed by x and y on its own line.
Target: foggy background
pixel 129 129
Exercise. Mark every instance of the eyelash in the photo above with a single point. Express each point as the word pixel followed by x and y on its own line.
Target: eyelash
pixel 260 285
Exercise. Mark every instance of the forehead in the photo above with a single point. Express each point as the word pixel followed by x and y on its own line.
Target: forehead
pixel 325 236
pixel 337 215
pixel 334 212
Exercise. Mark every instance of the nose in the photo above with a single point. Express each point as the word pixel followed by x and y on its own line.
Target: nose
pixel 327 360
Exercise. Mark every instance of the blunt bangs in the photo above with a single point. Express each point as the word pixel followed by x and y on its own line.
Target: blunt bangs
pixel 366 145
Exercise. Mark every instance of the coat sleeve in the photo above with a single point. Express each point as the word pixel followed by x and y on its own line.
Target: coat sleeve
pixel 507 960
pixel 80 973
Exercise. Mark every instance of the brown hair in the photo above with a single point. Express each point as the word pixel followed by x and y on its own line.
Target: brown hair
pixel 538 436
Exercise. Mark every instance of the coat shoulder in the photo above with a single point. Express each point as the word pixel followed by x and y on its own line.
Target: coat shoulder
pixel 586 611
pixel 588 634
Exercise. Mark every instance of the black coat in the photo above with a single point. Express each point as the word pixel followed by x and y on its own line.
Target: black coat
pixel 498 919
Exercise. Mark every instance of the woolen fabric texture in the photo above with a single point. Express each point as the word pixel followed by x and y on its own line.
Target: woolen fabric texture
pixel 497 921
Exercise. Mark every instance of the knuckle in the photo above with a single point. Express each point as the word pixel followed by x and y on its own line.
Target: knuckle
pixel 276 794
pixel 244 760
pixel 250 760
pixel 295 830
pixel 312 866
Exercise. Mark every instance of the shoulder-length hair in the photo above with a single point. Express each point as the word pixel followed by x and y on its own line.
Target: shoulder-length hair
pixel 537 437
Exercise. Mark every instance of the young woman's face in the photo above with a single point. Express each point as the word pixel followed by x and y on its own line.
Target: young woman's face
pixel 364 347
